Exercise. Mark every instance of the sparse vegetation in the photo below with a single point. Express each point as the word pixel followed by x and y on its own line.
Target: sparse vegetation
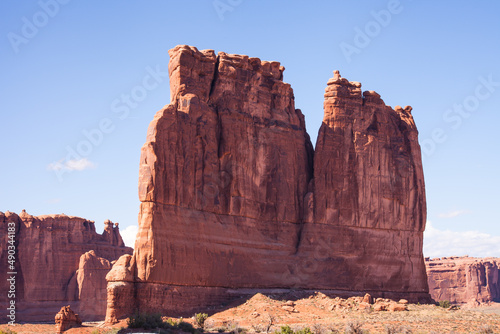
pixel 112 331
pixel 444 303
pixel 317 329
pixel 186 327
pixel 153 321
pixel 284 330
pixel 257 328
pixel 354 328
pixel 146 321
pixel 288 330
pixel 172 322
pixel 115 331
pixel 486 330
pixel 391 329
pixel 234 328
pixel 7 331
pixel 270 322
pixel 200 319
pixel 305 330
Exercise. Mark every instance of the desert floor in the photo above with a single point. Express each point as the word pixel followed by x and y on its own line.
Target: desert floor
pixel 321 314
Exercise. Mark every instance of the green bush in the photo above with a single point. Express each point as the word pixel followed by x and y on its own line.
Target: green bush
pixel 200 319
pixel 146 321
pixel 172 323
pixel 285 330
pixel 445 304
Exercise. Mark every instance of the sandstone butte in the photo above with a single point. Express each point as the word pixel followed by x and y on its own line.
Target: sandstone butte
pixel 60 260
pixel 464 280
pixel 235 200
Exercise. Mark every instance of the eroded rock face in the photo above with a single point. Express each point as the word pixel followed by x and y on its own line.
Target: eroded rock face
pixel 91 279
pixel 464 280
pixel 231 204
pixel 51 270
pixel 369 184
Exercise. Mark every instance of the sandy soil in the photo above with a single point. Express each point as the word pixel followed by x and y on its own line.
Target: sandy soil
pixel 321 314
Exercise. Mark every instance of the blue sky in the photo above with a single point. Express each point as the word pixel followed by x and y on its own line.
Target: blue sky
pixel 81 80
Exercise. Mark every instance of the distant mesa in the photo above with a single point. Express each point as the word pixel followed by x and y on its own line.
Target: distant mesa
pixel 235 200
pixel 60 260
pixel 464 280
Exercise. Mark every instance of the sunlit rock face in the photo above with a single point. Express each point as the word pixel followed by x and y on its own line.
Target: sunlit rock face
pixel 234 199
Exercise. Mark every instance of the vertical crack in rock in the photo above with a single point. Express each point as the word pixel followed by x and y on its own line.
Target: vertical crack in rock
pixel 214 80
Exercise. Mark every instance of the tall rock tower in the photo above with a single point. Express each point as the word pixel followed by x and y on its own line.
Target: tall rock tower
pixel 235 201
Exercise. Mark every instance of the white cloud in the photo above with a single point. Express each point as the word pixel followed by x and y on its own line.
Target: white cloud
pixel 453 214
pixel 71 165
pixel 439 243
pixel 128 235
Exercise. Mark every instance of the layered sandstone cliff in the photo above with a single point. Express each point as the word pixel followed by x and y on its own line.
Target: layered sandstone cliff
pixel 464 280
pixel 234 200
pixel 51 266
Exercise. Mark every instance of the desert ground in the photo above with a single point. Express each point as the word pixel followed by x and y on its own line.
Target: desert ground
pixel 320 313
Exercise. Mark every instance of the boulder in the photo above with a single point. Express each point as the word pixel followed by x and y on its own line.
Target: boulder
pixel 380 306
pixel 368 299
pixel 66 319
pixel 394 307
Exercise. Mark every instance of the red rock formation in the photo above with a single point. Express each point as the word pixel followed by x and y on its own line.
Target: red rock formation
pixel 229 205
pixel 464 280
pixel 48 251
pixel 120 290
pixel 369 184
pixel 66 319
pixel 91 279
